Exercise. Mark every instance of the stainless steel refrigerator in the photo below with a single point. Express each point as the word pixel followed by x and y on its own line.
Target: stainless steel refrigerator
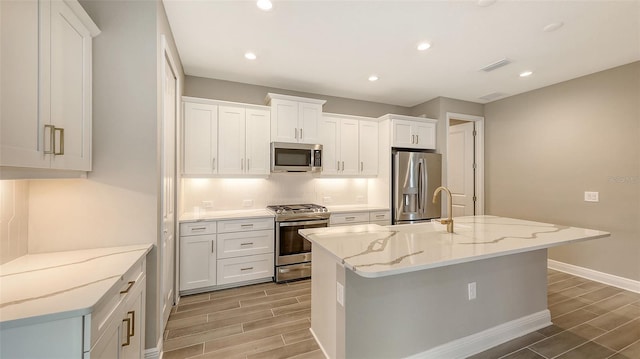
pixel 415 176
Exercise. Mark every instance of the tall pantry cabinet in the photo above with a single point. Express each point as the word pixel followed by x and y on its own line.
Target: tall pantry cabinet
pixel 45 83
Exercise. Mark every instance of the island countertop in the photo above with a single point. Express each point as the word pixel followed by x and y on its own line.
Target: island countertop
pixel 50 286
pixel 375 251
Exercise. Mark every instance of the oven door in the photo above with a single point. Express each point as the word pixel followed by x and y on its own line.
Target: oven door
pixel 291 247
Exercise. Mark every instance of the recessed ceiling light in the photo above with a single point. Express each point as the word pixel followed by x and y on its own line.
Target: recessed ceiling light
pixel 485 3
pixel 553 26
pixel 250 56
pixel 265 5
pixel 526 73
pixel 423 46
pixel 373 78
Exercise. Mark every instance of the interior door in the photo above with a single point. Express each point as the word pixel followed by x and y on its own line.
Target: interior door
pixel 168 189
pixel 460 172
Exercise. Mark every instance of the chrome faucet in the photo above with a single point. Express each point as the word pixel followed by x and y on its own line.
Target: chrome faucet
pixel 449 221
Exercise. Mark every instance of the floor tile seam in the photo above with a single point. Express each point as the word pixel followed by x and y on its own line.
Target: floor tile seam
pixel 608 330
pixel 603 299
pixel 563 314
pixel 513 352
pixel 186 346
pixel 210 329
pixel 577 346
pixel 203 331
pixel 194 309
pixel 244 343
pixel 604 346
pixel 623 349
pixel 291 312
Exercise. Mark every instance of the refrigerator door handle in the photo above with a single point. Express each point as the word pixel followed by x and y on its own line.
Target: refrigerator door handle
pixel 420 181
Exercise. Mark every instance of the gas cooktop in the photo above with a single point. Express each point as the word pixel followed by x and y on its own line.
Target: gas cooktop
pixel 299 211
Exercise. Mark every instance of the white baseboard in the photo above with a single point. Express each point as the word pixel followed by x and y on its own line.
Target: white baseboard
pixel 605 278
pixel 319 344
pixel 154 353
pixel 486 339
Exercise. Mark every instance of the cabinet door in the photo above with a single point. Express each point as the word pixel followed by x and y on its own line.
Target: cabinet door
pixel 197 262
pixel 425 135
pixel 329 136
pixel 308 122
pixel 132 325
pixel 231 144
pixel 284 121
pixel 200 138
pixel 349 147
pixel 68 92
pixel 402 134
pixel 21 129
pixel 257 142
pixel 108 346
pixel 368 148
pixel 240 269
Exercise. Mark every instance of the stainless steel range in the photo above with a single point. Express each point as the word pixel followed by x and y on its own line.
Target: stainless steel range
pixel 293 252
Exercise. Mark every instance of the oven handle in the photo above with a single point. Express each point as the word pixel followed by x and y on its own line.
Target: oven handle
pixel 298 223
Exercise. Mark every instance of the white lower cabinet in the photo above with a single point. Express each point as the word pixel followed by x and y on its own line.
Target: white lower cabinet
pixel 197 261
pixel 382 218
pixel 240 269
pixel 220 254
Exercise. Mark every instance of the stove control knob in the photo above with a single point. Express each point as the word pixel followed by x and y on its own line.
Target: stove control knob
pixel 278 211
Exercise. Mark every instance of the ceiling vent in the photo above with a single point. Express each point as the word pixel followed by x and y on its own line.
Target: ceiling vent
pixel 493 96
pixel 496 65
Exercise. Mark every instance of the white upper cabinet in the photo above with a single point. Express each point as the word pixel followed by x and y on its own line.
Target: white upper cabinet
pixel 368 148
pixel 295 119
pixel 225 138
pixel 45 80
pixel 200 138
pixel 412 132
pixel 349 145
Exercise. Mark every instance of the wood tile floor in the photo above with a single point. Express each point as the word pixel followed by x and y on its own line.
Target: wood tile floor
pixel 591 321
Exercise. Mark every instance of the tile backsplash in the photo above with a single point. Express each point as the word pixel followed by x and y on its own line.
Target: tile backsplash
pixel 281 188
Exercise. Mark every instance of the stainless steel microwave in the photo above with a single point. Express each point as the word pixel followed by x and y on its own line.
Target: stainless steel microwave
pixel 295 157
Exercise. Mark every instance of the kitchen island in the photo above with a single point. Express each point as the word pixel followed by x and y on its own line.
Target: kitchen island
pixel 418 291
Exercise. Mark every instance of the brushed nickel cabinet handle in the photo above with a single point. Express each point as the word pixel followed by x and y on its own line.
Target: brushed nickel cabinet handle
pixel 338 169
pixel 301 134
pixel 248 163
pixel 248 225
pixel 248 268
pixel 246 244
pixel 212 245
pixel 349 218
pixel 198 228
pixel 130 284
pixel 61 152
pixel 51 149
pixel 213 163
pixel 379 215
pixel 361 166
pixel 296 135
pixel 417 139
pixel 128 321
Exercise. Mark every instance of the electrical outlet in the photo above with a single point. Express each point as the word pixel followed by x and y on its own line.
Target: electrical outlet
pixel 207 204
pixel 471 288
pixel 340 293
pixel 326 199
pixel 247 203
pixel 591 196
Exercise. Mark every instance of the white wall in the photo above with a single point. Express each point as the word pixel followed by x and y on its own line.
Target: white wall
pixel 279 188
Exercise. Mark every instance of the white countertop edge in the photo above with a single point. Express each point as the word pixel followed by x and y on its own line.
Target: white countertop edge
pixel 389 272
pixel 81 311
pixel 356 208
pixel 191 217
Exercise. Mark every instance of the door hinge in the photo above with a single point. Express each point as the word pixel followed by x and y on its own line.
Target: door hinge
pixel 475 198
pixel 475 133
pixel 474 166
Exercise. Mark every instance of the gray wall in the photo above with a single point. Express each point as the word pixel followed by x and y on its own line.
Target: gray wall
pixel 546 147
pixel 246 93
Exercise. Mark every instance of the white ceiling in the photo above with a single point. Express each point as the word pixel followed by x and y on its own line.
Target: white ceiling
pixel 331 47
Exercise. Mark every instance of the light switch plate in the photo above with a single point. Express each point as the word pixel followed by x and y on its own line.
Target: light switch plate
pixel 247 203
pixel 207 204
pixel 340 293
pixel 591 196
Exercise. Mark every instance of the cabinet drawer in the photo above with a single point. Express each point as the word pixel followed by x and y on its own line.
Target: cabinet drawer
pixel 232 270
pixel 111 306
pixel 241 225
pixel 245 243
pixel 196 228
pixel 379 216
pixel 343 218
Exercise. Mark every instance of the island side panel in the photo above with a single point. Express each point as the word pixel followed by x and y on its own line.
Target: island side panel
pixel 405 314
pixel 327 320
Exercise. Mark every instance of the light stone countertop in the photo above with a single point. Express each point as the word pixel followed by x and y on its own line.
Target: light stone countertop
pixel 50 286
pixel 375 251
pixel 356 208
pixel 229 214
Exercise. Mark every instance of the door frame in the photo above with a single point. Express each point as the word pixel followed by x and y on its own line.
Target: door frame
pixel 167 58
pixel 479 149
